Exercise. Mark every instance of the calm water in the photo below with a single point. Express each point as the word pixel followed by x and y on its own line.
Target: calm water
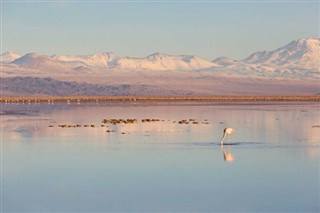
pixel 271 164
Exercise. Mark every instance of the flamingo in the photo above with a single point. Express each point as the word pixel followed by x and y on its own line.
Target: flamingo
pixel 227 131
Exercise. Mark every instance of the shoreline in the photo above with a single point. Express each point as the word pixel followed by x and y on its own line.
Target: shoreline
pixel 161 98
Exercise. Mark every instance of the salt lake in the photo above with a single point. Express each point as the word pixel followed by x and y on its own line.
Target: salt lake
pixel 270 164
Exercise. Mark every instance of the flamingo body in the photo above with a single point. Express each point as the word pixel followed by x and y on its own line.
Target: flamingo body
pixel 227 132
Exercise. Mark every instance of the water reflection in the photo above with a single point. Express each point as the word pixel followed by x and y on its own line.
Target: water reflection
pixel 227 155
pixel 160 166
pixel 265 123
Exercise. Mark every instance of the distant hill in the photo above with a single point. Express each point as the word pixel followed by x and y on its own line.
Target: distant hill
pixel 16 86
pixel 35 86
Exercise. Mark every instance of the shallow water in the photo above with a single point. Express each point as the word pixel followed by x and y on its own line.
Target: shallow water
pixel 271 162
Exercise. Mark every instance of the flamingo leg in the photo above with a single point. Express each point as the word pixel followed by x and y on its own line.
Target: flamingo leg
pixel 221 142
pixel 228 139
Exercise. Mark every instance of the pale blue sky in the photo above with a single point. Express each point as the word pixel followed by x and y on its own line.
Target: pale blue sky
pixel 205 28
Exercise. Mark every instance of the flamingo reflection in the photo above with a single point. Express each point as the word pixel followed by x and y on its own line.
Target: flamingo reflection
pixel 227 155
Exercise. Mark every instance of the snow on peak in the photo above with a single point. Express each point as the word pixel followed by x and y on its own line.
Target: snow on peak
pixel 28 58
pixel 157 56
pixel 99 59
pixel 224 60
pixel 10 53
pixel 8 57
pixel 256 57
pixel 310 43
pixel 301 46
pixel 161 62
pixel 39 62
pixel 299 53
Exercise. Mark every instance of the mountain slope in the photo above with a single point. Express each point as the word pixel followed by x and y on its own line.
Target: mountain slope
pixel 99 59
pixel 302 53
pixel 300 59
pixel 33 61
pixel 160 62
pixel 36 86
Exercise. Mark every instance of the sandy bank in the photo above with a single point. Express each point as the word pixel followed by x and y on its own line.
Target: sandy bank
pixel 161 98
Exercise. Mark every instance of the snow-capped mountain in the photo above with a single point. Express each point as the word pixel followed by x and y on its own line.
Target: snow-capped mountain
pixel 8 57
pixel 43 63
pixel 299 59
pixel 289 70
pixel 154 62
pixel 160 62
pixel 302 53
pixel 100 59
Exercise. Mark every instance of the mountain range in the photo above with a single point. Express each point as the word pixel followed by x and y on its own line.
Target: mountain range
pixel 298 60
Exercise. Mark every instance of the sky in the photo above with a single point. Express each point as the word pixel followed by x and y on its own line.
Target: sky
pixel 208 29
